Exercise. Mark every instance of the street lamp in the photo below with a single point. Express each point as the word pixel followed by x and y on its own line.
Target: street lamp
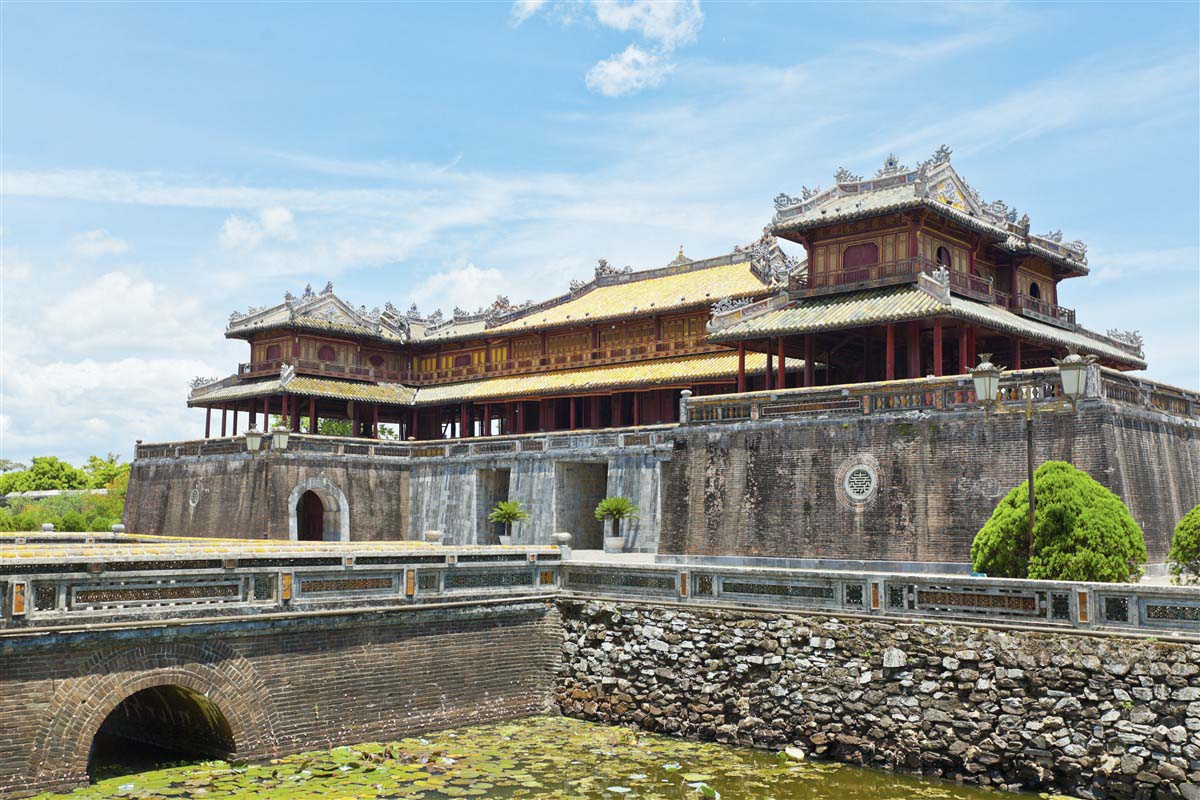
pixel 1073 373
pixel 279 438
pixel 1074 370
pixel 253 440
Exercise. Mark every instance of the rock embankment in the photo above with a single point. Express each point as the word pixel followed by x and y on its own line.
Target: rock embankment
pixel 1089 716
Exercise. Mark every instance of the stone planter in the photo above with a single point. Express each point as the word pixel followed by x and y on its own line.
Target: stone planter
pixel 508 539
pixel 614 544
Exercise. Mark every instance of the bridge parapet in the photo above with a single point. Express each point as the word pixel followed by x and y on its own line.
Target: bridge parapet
pixel 1152 609
pixel 86 579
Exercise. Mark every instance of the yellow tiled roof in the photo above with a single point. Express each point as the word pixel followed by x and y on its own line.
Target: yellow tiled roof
pixel 902 303
pixel 833 312
pixel 306 386
pixel 648 296
pixel 661 371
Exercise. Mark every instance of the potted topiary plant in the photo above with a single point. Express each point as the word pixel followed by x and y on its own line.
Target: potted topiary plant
pixel 508 512
pixel 615 509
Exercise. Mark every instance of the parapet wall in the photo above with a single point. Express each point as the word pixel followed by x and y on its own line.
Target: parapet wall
pixel 1061 712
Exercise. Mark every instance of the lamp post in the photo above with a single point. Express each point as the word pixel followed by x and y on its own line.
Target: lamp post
pixel 279 438
pixel 253 440
pixel 1073 374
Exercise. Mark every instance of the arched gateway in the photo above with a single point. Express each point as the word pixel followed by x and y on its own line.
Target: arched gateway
pixel 318 511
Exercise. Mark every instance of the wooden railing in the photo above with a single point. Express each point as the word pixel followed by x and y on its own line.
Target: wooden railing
pixel 1046 312
pixel 255 369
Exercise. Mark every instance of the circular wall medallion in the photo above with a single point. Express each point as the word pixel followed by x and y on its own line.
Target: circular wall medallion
pixel 194 496
pixel 857 481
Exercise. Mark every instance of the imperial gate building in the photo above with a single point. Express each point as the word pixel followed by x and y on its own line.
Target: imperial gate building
pixel 731 397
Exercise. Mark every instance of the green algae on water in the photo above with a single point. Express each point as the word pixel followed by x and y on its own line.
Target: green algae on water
pixel 556 758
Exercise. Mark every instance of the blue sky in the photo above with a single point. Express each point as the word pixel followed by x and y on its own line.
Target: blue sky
pixel 166 164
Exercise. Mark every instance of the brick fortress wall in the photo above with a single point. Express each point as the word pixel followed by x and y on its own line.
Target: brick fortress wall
pixel 284 686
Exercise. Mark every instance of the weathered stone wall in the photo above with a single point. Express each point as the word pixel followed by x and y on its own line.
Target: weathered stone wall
pixel 453 495
pixel 284 686
pixel 773 488
pixel 1096 717
pixel 240 496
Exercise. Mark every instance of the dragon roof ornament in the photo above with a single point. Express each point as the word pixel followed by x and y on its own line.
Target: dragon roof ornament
pixel 891 166
pixel 844 175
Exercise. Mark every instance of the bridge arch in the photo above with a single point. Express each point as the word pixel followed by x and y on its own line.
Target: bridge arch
pixel 209 674
pixel 335 508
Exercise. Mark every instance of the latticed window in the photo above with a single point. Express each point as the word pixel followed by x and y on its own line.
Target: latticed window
pixel 530 347
pixel 860 255
pixel 326 353
pixel 859 483
pixel 273 352
pixel 623 334
pixel 569 343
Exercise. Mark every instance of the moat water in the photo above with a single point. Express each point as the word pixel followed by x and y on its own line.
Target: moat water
pixel 538 757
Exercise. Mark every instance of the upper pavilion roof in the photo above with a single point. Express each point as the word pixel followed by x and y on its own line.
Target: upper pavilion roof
pixel 933 184
pixel 611 294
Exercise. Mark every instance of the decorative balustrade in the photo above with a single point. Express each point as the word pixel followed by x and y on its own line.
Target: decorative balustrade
pixel 1046 312
pixel 618 438
pixel 922 394
pixel 1128 390
pixel 1052 604
pixel 182 580
pixel 256 369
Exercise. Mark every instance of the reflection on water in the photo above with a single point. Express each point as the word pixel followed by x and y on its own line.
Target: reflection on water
pixel 542 757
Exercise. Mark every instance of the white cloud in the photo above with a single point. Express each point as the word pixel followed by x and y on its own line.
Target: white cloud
pixel 273 224
pixel 97 244
pixel 103 314
pixel 524 9
pixel 629 71
pixel 468 287
pixel 670 23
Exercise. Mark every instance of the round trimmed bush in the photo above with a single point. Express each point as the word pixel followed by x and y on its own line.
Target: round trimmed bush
pixel 1081 532
pixel 1184 559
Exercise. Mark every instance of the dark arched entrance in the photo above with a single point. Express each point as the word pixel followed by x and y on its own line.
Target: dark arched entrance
pixel 158 725
pixel 310 518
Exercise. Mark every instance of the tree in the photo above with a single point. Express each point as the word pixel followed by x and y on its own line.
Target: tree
pixel 1082 532
pixel 45 473
pixel 508 512
pixel 8 465
pixel 616 509
pixel 1184 559
pixel 103 471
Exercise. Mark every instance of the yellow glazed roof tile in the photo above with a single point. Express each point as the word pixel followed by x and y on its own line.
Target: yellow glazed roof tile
pixel 647 296
pixel 662 371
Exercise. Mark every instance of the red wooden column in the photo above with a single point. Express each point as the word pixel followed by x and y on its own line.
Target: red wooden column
pixel 235 419
pixel 594 416
pixel 914 350
pixel 637 408
pixel 412 423
pixel 312 415
pixel 617 417
pixel 741 380
pixel 1016 348
pixel 972 353
pixel 571 400
pixel 267 414
pixel 283 411
pixel 937 348
pixel 375 421
pixel 464 421
pixel 519 416
pixel 781 368
pixel 768 378
pixel 222 420
pixel 810 368
pixel 963 364
pixel 296 416
pixel 889 371
pixel 487 420
pixel 208 422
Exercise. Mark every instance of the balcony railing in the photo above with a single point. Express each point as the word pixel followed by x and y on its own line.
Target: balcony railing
pixel 883 274
pixel 1046 312
pixel 255 369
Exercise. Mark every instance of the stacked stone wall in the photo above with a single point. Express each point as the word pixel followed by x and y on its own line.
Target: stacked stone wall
pixel 1090 716
pixel 284 686
pixel 776 488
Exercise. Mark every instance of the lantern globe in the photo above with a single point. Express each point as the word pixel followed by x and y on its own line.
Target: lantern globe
pixel 253 440
pixel 986 377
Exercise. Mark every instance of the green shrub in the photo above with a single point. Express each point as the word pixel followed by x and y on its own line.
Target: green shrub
pixel 616 509
pixel 1184 559
pixel 1082 532
pixel 72 521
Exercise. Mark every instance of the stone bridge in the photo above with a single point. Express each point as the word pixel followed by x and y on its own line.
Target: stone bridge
pixel 247 650
pixel 253 650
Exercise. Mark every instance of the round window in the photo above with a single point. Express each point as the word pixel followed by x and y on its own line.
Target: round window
pixel 859 483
